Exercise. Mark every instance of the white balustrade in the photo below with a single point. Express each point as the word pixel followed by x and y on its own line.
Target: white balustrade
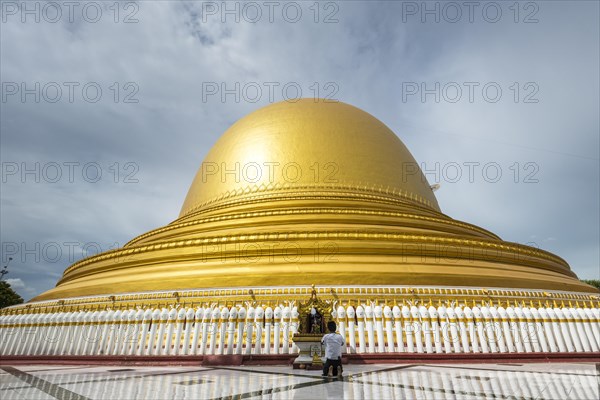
pixel 375 328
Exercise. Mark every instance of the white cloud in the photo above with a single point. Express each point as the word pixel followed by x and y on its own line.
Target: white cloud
pixel 21 288
pixel 16 284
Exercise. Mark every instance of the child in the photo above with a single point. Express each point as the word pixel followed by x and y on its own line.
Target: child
pixel 333 349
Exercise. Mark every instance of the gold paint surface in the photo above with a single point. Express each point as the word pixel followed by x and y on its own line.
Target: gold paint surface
pixel 308 144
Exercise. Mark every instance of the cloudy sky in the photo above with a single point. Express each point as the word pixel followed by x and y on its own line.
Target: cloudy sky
pixel 107 111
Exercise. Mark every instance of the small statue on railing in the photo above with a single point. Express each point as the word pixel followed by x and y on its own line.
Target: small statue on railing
pixel 315 322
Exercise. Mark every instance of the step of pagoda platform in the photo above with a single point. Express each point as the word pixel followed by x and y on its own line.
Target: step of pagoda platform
pixel 287 359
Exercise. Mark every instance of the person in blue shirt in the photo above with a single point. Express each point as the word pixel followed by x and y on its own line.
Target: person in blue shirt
pixel 333 343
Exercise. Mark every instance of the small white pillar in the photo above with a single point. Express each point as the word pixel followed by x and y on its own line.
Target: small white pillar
pixel 249 330
pixel 408 329
pixel 389 331
pixel 462 329
pixel 233 315
pixel 417 328
pixel 198 315
pixel 179 341
pixel 351 313
pixel 379 329
pixel 453 331
pixel 268 328
pixel 445 328
pixel 241 326
pixel 153 339
pixel 276 330
pixel 258 322
pixel 397 314
pixel 472 329
pixel 360 317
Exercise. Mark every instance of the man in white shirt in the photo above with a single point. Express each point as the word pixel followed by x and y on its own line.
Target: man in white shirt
pixel 333 349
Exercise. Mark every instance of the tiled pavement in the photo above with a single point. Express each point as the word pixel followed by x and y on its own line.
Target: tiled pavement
pixel 473 381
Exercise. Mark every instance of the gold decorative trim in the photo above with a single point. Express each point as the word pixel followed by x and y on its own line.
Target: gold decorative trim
pixel 338 235
pixel 272 296
pixel 317 211
pixel 359 190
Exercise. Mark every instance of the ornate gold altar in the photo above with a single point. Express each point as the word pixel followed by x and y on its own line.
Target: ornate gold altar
pixel 314 315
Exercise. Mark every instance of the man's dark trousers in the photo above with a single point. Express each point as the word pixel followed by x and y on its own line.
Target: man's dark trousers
pixel 332 363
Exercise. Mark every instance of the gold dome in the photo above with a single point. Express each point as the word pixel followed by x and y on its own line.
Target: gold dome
pixel 308 145
pixel 352 209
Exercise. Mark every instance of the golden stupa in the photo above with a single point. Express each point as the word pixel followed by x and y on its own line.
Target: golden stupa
pixel 304 199
pixel 312 192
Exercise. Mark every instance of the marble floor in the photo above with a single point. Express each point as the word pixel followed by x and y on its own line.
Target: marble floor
pixel 472 381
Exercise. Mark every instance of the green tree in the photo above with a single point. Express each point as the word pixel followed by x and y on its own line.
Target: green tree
pixel 8 297
pixel 593 282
